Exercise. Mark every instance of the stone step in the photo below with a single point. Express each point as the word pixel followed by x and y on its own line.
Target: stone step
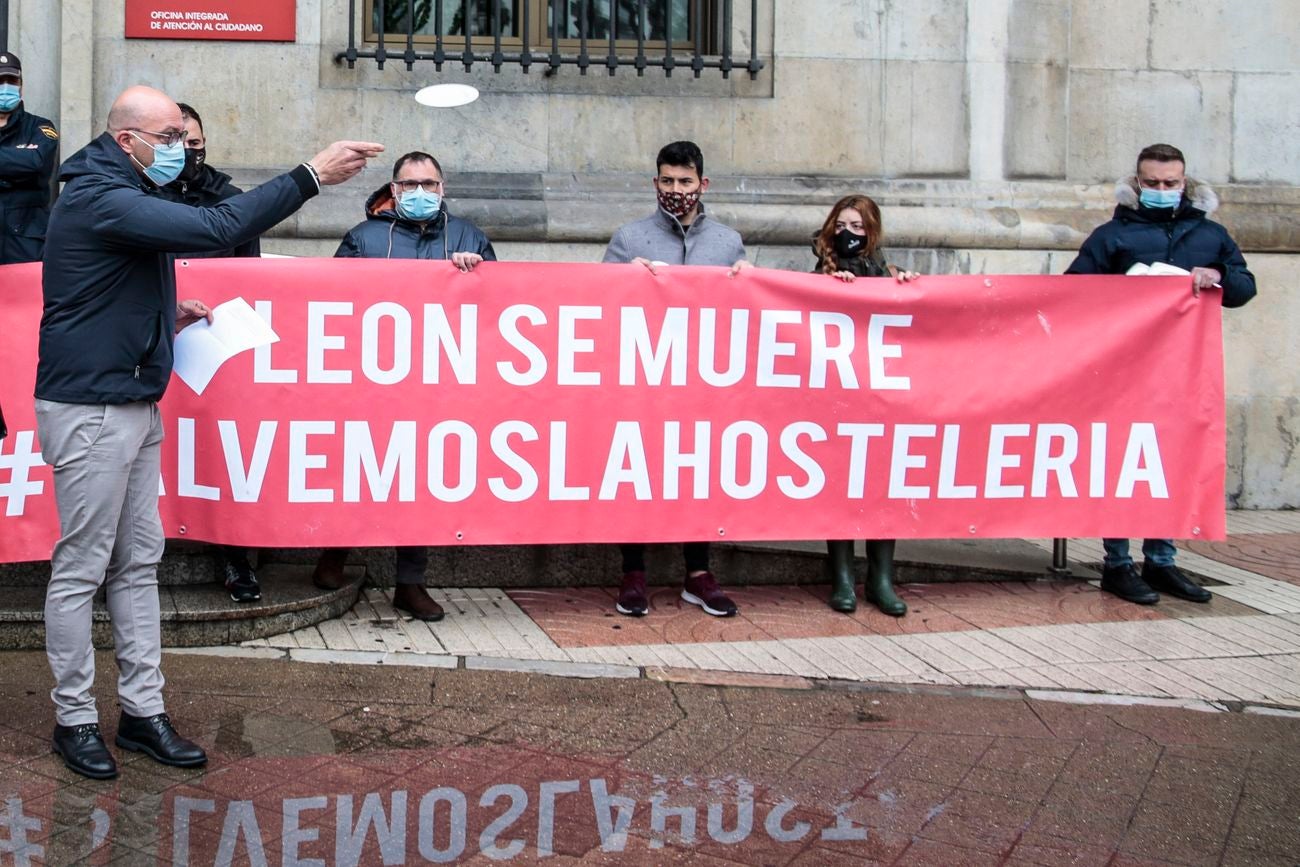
pixel 919 561
pixel 195 615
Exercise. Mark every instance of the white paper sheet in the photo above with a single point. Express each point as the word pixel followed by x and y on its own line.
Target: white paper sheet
pixel 201 348
pixel 1156 269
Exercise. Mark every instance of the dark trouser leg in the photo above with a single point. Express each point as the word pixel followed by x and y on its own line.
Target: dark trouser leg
pixel 696 555
pixel 879 587
pixel 329 569
pixel 412 560
pixel 633 556
pixel 839 566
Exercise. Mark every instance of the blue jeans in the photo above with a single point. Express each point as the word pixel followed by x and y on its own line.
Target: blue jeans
pixel 1158 552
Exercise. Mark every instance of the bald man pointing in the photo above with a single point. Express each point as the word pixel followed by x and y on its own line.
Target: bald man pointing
pixel 105 358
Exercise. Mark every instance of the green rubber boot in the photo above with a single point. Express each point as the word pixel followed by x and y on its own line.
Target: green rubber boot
pixel 839 564
pixel 879 588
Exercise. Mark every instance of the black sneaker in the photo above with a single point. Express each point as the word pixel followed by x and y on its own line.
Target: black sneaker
pixel 240 581
pixel 1124 582
pixel 1170 579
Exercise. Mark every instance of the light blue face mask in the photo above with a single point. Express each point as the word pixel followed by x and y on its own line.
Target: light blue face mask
pixel 418 205
pixel 1160 198
pixel 168 161
pixel 10 96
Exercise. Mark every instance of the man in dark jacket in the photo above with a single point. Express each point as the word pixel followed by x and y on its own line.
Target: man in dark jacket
pixel 1162 216
pixel 29 150
pixel 201 186
pixel 408 219
pixel 104 361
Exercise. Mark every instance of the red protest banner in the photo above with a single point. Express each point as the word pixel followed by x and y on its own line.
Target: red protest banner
pixel 247 20
pixel 409 403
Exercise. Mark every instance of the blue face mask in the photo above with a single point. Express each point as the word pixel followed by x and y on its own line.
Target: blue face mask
pixel 168 161
pixel 10 96
pixel 1160 198
pixel 418 205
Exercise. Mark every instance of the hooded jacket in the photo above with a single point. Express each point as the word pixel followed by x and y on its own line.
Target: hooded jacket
pixel 210 188
pixel 1182 236
pixel 110 291
pixel 386 235
pixel 29 151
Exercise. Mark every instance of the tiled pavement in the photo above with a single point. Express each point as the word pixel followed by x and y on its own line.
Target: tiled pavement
pixel 1049 635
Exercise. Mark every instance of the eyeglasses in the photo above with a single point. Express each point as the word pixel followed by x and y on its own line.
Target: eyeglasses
pixel 428 185
pixel 168 138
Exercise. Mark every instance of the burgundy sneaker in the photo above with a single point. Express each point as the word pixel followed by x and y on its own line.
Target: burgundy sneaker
pixel 632 600
pixel 703 590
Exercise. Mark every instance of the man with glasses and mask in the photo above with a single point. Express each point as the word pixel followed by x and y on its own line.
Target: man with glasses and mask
pixel 105 357
pixel 1162 216
pixel 407 218
pixel 29 151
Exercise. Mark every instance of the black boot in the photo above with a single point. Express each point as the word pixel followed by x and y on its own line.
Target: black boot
pixel 83 750
pixel 879 588
pixel 157 738
pixel 839 565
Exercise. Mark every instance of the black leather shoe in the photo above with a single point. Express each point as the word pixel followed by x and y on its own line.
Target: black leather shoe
pixel 84 751
pixel 155 737
pixel 1170 579
pixel 1124 582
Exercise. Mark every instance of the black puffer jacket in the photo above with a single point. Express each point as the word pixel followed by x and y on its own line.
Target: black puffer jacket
pixel 210 188
pixel 110 291
pixel 1182 236
pixel 29 151
pixel 385 235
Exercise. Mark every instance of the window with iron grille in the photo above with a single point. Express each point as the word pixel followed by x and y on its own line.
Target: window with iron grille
pixel 669 34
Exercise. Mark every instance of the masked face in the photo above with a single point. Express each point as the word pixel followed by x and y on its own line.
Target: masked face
pixel 678 204
pixel 418 205
pixel 194 159
pixel 1161 183
pixel 849 245
pixel 10 95
pixel 1160 198
pixel 168 160
pixel 678 189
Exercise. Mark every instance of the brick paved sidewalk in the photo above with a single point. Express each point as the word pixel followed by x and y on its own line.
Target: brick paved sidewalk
pixel 1046 636
pixel 393 765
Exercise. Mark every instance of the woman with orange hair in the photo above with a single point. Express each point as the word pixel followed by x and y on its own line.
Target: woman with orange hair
pixel 848 247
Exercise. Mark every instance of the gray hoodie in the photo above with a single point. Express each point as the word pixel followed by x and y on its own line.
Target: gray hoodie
pixel 660 237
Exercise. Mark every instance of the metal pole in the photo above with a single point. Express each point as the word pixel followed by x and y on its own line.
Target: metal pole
pixel 4 25
pixel 1060 553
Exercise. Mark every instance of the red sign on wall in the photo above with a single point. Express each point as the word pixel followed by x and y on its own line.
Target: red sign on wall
pixel 250 20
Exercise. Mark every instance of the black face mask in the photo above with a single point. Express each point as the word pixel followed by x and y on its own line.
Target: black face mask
pixel 194 158
pixel 849 245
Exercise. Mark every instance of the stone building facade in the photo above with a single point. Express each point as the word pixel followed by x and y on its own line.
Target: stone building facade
pixel 990 131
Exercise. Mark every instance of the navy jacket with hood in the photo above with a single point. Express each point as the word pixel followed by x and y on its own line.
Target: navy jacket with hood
pixel 110 291
pixel 1182 236
pixel 385 235
pixel 29 151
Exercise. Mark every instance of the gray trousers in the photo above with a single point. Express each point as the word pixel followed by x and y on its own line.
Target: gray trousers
pixel 105 459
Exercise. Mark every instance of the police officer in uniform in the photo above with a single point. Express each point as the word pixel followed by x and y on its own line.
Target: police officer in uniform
pixel 29 154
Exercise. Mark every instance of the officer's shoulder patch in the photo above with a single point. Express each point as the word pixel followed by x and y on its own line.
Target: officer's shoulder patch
pixel 50 132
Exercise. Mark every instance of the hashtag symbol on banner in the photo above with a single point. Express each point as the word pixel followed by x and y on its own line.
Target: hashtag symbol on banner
pixel 20 485
pixel 15 824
